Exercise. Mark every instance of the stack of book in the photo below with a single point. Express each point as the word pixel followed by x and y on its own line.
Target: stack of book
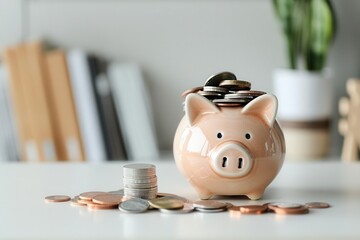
pixel 72 106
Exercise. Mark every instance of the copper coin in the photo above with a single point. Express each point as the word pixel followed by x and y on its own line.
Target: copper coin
pixel 101 206
pixel 89 195
pixel 57 198
pixel 191 90
pixel 75 201
pixel 287 211
pixel 317 205
pixel 108 199
pixel 235 85
pixel 253 209
pixel 234 209
pixel 286 205
pixel 83 201
pixel 229 104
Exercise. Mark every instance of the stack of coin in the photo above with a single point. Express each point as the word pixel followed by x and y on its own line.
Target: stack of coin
pixel 140 181
pixel 225 90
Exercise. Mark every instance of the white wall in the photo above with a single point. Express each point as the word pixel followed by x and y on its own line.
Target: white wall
pixel 180 43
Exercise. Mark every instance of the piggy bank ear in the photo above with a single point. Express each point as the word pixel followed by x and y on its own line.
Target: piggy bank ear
pixel 264 106
pixel 197 105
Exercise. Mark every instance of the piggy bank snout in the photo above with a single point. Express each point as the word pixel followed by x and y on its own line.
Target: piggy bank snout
pixel 231 159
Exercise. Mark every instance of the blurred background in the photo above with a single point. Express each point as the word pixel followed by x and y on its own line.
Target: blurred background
pixel 179 44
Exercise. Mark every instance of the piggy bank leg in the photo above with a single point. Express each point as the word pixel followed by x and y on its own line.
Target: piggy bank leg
pixel 255 195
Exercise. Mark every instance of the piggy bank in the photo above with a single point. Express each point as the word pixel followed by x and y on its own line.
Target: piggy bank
pixel 229 150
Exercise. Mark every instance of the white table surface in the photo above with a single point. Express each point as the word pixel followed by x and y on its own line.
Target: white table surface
pixel 25 215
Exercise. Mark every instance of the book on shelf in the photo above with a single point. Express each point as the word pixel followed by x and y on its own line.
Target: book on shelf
pixel 86 107
pixel 133 108
pixel 67 133
pixel 73 106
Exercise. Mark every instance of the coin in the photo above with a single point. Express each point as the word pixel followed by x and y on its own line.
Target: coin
pixel 134 205
pixel 216 79
pixel 252 93
pixel 75 201
pixel 83 201
pixel 253 209
pixel 152 180
pixel 209 204
pixel 89 195
pixel 215 89
pixel 317 205
pixel 101 206
pixel 192 90
pixel 188 207
pixel 210 210
pixel 234 209
pixel 238 96
pixel 235 85
pixel 211 95
pixel 108 199
pixel 138 170
pixel 159 195
pixel 287 211
pixel 57 198
pixel 283 205
pixel 166 202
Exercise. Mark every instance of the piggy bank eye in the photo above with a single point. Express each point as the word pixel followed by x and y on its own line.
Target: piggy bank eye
pixel 219 135
pixel 247 136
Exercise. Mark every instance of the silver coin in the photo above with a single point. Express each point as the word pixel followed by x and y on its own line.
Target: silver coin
pixel 216 79
pixel 211 95
pixel 134 205
pixel 139 170
pixel 238 96
pixel 188 207
pixel 252 93
pixel 209 210
pixel 215 89
pixel 231 100
pixel 140 185
pixel 209 204
pixel 140 180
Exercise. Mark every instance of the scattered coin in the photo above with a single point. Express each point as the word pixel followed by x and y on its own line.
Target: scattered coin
pixel 317 205
pixel 187 208
pixel 159 195
pixel 166 202
pixel 234 209
pixel 108 199
pixel 75 201
pixel 57 198
pixel 211 210
pixel 288 205
pixel 209 204
pixel 134 205
pixel 253 209
pixel 101 206
pixel 286 211
pixel 89 195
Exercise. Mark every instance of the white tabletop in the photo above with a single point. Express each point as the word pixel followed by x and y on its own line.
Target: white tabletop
pixel 25 215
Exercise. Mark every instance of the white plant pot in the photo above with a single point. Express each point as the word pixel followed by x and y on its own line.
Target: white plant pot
pixel 303 95
pixel 305 104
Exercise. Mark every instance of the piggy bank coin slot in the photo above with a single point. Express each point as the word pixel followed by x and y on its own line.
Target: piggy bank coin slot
pixel 240 163
pixel 224 161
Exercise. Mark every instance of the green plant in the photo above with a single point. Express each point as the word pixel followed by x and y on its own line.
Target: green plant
pixel 309 28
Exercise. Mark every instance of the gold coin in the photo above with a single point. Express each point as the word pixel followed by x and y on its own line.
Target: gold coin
pixel 108 199
pixel 167 203
pixel 57 198
pixel 89 195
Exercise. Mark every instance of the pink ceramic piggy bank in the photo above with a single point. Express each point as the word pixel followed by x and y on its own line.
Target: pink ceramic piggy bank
pixel 229 150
